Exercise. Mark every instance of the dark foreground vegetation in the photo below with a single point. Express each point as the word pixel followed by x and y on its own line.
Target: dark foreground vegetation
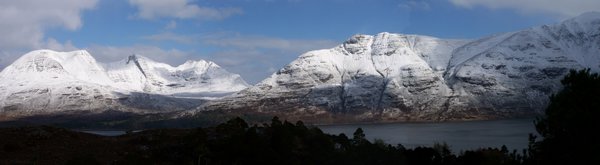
pixel 568 136
pixel 233 142
pixel 571 123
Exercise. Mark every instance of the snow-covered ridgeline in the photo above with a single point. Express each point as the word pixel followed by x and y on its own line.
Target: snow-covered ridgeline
pixel 412 77
pixel 46 80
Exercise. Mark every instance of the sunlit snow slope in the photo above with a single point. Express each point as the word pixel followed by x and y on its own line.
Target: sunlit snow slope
pixel 45 81
pixel 398 77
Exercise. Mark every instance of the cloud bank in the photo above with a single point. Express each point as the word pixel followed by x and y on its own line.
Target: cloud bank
pixel 23 24
pixel 180 9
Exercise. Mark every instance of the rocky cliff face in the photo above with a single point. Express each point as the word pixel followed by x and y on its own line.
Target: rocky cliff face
pixel 410 77
pixel 515 73
pixel 382 76
pixel 385 77
pixel 139 73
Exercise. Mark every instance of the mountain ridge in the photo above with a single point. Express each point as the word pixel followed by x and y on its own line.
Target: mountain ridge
pixel 385 77
pixel 399 77
pixel 46 81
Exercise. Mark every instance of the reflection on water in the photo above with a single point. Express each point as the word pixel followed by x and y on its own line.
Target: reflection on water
pixel 107 133
pixel 459 135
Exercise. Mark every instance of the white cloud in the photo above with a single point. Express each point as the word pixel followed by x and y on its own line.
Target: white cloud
pixel 415 5
pixel 53 44
pixel 173 57
pixel 239 41
pixel 168 36
pixel 265 42
pixel 171 25
pixel 559 8
pixel 23 24
pixel 181 9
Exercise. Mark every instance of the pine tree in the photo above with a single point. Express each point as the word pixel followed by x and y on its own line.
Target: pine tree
pixel 569 127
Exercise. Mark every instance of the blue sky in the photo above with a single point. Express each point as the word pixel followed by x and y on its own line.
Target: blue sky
pixel 253 37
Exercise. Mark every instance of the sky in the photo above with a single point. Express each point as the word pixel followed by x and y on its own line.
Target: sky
pixel 253 38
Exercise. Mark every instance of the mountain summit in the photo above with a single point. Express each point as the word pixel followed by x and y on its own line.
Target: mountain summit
pixel 46 81
pixel 398 77
pixel 142 74
pixel 383 77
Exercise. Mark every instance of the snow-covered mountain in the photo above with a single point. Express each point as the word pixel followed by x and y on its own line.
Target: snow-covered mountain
pixel 410 77
pixel 139 73
pixel 515 72
pixel 366 76
pixel 45 81
pixel 385 77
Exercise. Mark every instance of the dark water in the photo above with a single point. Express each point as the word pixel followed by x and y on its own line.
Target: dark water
pixel 459 135
pixel 106 133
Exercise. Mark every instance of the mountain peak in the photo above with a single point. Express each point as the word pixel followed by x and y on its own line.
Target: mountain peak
pixel 47 59
pixel 358 38
pixel 55 54
pixel 60 66
pixel 134 73
pixel 196 63
pixel 585 23
pixel 132 57
pixel 137 58
pixel 418 77
pixel 588 16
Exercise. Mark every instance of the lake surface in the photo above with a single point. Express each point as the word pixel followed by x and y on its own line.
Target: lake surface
pixel 107 132
pixel 104 133
pixel 513 133
pixel 466 135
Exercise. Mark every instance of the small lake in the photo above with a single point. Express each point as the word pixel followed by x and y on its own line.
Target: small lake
pixel 459 136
